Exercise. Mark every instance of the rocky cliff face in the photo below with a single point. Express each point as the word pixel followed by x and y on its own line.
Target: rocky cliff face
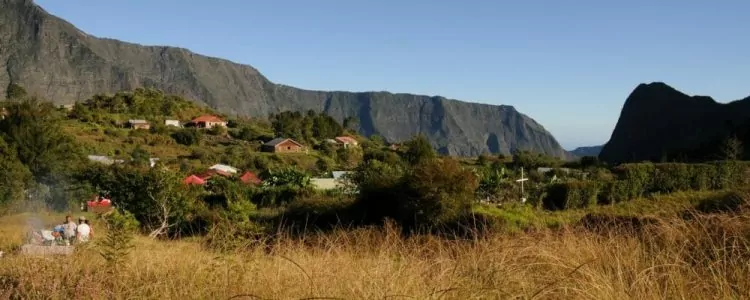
pixel 659 123
pixel 54 60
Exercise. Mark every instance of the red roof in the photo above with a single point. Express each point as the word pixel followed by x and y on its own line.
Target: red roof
pixel 206 119
pixel 250 177
pixel 192 179
pixel 346 139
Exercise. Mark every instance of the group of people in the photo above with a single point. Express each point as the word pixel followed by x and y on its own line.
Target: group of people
pixel 73 232
pixel 67 233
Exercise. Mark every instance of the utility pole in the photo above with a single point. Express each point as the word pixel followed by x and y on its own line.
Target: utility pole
pixel 521 180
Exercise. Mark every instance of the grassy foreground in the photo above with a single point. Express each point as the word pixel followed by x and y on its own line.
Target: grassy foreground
pixel 697 257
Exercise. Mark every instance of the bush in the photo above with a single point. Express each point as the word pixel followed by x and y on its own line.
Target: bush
pixel 187 136
pixel 572 195
pixel 434 192
pixel 279 195
pixel 317 212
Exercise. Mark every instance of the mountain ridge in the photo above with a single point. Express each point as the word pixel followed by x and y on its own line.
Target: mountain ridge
pixel 52 58
pixel 658 123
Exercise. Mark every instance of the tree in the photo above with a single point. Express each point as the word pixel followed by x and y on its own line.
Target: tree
pixel 15 92
pixel 438 191
pixel 351 123
pixel 732 148
pixel 419 150
pixel 286 177
pixel 14 177
pixel 33 129
pixel 157 198
pixel 140 157
pixel 187 136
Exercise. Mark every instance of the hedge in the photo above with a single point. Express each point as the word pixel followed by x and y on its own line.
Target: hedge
pixel 571 195
pixel 636 180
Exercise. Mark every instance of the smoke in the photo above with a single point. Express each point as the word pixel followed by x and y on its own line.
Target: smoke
pixel 34 223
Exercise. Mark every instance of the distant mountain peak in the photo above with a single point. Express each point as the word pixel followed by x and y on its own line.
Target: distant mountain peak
pixel 658 121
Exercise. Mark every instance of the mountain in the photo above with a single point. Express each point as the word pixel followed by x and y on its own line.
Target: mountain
pixel 660 123
pixel 54 60
pixel 587 151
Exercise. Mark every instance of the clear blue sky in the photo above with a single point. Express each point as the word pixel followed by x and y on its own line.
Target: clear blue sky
pixel 568 64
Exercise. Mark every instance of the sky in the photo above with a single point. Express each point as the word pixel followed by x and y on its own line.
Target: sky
pixel 570 65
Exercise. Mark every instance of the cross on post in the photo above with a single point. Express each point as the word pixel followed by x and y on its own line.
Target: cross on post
pixel 521 180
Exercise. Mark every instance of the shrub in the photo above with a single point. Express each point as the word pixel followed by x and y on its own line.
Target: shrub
pixel 435 191
pixel 279 195
pixel 187 136
pixel 572 195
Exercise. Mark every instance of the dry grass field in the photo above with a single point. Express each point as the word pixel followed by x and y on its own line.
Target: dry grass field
pixel 704 256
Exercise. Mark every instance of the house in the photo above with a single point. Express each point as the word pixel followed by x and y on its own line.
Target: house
pixel 346 141
pixel 250 178
pixel 174 123
pixel 323 183
pixel 193 180
pixel 282 145
pixel 224 168
pixel 139 124
pixel 67 107
pixel 104 159
pixel 208 121
pixel 330 183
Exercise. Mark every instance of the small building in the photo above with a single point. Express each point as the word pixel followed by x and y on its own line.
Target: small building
pixel 346 141
pixel 104 159
pixel 208 121
pixel 139 124
pixel 323 183
pixel 224 168
pixel 282 145
pixel 67 107
pixel 174 123
pixel 193 180
pixel 250 178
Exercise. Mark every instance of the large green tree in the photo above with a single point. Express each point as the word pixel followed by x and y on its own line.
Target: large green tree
pixel 14 176
pixel 33 129
pixel 419 150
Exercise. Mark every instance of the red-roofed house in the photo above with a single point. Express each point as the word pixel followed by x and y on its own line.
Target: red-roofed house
pixel 347 141
pixel 250 178
pixel 208 121
pixel 194 180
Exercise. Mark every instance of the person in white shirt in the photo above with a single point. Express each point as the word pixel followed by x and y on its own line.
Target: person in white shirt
pixel 69 229
pixel 84 232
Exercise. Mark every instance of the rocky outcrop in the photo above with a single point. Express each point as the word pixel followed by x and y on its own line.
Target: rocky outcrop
pixel 54 60
pixel 660 123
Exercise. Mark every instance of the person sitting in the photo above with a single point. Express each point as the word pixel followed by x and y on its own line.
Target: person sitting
pixel 69 229
pixel 84 232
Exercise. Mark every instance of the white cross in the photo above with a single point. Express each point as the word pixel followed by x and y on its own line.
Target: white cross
pixel 521 180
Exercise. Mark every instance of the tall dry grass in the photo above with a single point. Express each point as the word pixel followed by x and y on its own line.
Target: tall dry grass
pixel 706 257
